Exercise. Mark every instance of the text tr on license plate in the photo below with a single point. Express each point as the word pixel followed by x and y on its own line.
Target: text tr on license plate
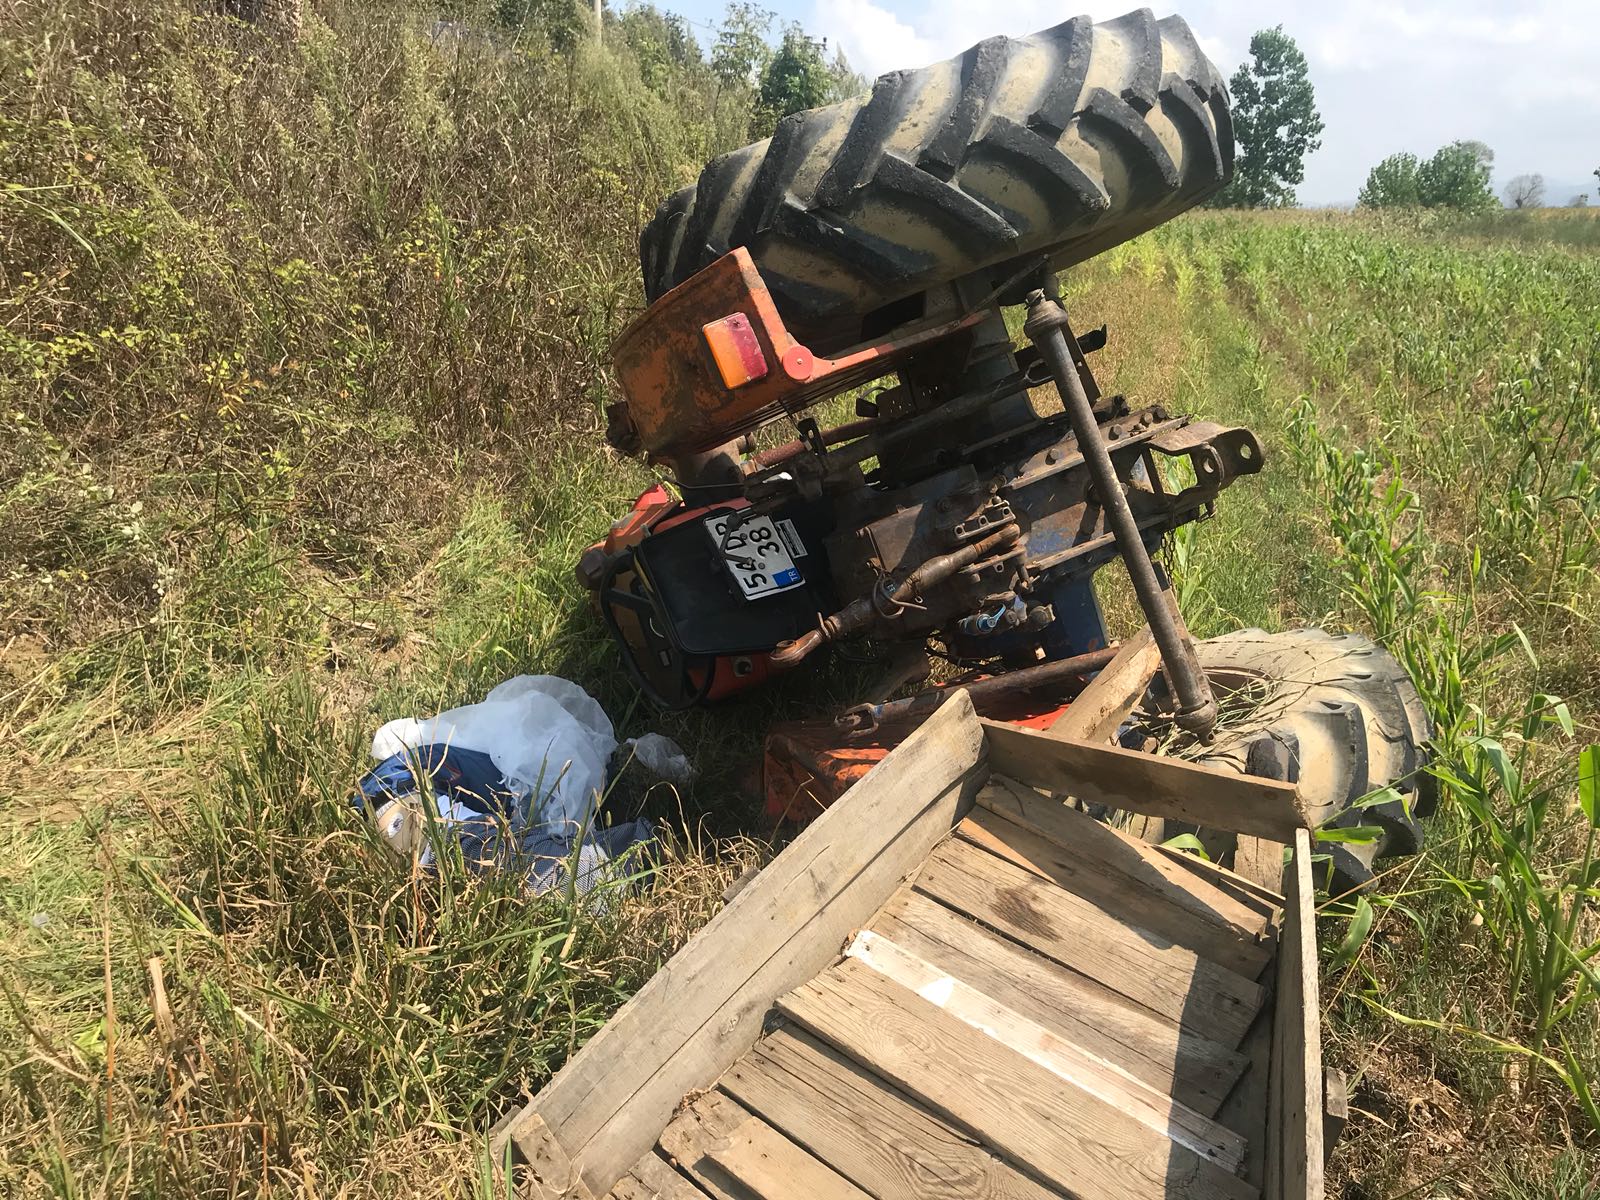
pixel 759 553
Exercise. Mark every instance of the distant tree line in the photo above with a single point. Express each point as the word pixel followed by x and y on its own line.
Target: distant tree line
pixel 1276 124
pixel 1457 177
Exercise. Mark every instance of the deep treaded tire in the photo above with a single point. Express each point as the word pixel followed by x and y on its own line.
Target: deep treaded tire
pixel 1062 143
pixel 1341 719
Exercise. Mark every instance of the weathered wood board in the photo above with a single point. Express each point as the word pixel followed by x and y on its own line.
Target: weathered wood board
pixel 1190 1067
pixel 1295 1152
pixel 733 1154
pixel 1004 1100
pixel 1165 978
pixel 1096 713
pixel 1082 1067
pixel 1143 783
pixel 1120 874
pixel 864 1128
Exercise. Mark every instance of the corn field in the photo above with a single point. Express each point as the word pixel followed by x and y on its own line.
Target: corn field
pixel 1435 396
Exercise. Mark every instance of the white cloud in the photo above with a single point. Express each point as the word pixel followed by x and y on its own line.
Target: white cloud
pixel 873 38
pixel 1390 74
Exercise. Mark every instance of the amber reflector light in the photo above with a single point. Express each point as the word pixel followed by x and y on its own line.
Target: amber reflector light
pixel 735 350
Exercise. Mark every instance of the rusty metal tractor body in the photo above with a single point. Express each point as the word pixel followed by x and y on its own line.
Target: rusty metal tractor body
pixel 881 250
pixel 955 508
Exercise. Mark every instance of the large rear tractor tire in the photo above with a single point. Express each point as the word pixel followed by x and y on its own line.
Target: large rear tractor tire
pixel 1055 146
pixel 1335 715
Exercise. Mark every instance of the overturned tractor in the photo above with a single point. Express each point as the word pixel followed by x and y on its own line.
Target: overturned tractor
pixel 888 249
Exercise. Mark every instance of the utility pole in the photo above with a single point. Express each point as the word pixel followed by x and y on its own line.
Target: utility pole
pixel 598 20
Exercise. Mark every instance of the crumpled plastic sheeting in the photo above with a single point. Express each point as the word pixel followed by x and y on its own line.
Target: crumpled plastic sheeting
pixel 662 757
pixel 515 779
pixel 549 739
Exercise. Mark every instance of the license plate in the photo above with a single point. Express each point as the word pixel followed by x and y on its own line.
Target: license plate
pixel 757 553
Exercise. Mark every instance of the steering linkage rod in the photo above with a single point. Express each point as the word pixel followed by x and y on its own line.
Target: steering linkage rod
pixel 1197 709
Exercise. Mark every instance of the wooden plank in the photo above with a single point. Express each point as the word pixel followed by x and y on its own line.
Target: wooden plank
pixel 1102 707
pixel 1145 967
pixel 1192 1068
pixel 708 1120
pixel 766 1164
pixel 1148 783
pixel 1335 1108
pixel 704 1008
pixel 734 1155
pixel 1266 901
pixel 1068 1138
pixel 1245 1110
pixel 1120 874
pixel 548 1172
pixel 659 1179
pixel 1294 1169
pixel 1260 859
pixel 864 1129
pixel 1235 899
pixel 1062 1057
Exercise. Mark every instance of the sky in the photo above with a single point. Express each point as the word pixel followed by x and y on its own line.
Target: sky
pixel 1390 75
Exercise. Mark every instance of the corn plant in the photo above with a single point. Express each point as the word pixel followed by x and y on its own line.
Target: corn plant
pixel 1518 863
pixel 1384 566
pixel 1536 905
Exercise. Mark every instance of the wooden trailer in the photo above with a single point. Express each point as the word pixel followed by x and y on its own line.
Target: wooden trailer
pixel 956 984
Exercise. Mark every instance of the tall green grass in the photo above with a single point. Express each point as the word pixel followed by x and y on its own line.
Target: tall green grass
pixel 1515 847
pixel 302 352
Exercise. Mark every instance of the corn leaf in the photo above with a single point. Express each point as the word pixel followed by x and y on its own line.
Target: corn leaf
pixel 1355 934
pixel 1589 784
pixel 1360 835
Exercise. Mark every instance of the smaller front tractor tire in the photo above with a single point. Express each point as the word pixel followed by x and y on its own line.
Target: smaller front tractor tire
pixel 1335 715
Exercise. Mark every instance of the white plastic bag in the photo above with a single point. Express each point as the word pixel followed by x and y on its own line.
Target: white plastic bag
pixel 549 738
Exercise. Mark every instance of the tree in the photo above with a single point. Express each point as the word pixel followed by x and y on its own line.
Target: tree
pixel 741 49
pixel 1525 191
pixel 847 81
pixel 661 42
pixel 796 78
pixel 1392 183
pixel 564 23
pixel 1275 122
pixel 799 76
pixel 738 55
pixel 1457 176
pixel 1581 200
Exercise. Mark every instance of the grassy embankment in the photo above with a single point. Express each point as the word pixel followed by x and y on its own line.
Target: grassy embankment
pixel 301 354
pixel 302 348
